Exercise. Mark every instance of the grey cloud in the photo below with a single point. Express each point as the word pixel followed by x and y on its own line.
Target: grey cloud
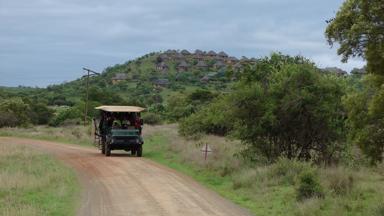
pixel 38 35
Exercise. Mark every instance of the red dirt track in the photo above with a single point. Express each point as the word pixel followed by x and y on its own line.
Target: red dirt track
pixel 125 185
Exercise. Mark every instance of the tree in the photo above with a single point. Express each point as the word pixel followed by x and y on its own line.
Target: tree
pixel 282 106
pixel 366 117
pixel 359 29
pixel 285 107
pixel 14 112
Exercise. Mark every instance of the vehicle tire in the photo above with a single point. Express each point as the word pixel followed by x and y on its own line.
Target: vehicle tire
pixel 102 148
pixel 107 150
pixel 139 151
pixel 133 151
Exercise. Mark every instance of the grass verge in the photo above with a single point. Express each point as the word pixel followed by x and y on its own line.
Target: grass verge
pixel 269 189
pixel 264 189
pixel 32 183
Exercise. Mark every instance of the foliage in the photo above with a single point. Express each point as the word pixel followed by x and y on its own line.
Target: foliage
pixel 151 118
pixel 210 119
pixel 309 186
pixel 288 171
pixel 180 106
pixel 14 112
pixel 358 27
pixel 40 114
pixel 70 113
pixel 282 106
pixel 366 117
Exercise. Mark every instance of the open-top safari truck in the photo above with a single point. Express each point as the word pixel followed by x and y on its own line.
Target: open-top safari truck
pixel 119 128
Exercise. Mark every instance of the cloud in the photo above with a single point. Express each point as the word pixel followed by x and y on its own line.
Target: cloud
pixel 66 35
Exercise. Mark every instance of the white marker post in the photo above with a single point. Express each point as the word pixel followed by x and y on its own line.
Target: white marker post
pixel 206 149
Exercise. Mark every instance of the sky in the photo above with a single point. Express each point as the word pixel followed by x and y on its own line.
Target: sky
pixel 44 42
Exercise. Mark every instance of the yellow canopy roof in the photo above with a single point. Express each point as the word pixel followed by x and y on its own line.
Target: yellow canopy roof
pixel 120 108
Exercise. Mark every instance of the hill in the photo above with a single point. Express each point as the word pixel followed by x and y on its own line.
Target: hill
pixel 159 81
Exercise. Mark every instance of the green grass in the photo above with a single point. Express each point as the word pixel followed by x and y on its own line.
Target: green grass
pixel 263 189
pixel 32 183
pixel 78 135
pixel 156 149
pixel 271 190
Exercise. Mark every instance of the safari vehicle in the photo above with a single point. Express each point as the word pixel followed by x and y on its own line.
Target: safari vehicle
pixel 119 128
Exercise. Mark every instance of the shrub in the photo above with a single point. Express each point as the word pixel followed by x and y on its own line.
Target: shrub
pixel 288 171
pixel 64 115
pixel 309 186
pixel 40 113
pixel 14 112
pixel 151 118
pixel 8 120
pixel 212 119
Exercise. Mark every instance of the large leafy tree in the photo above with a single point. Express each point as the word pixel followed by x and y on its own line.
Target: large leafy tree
pixel 281 106
pixel 285 107
pixel 359 29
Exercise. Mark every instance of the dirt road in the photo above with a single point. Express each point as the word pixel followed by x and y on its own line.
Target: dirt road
pixel 124 185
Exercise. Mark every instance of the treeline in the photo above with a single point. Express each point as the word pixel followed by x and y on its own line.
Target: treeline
pixel 281 106
pixel 284 106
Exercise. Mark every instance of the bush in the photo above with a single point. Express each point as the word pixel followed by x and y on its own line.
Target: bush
pixel 40 113
pixel 151 118
pixel 288 171
pixel 14 113
pixel 65 115
pixel 212 119
pixel 8 120
pixel 309 186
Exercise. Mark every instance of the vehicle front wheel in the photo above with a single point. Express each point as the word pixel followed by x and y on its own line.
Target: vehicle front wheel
pixel 107 150
pixel 102 148
pixel 133 152
pixel 139 151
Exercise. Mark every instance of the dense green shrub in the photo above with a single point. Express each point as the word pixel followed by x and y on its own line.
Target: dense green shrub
pixel 40 114
pixel 288 171
pixel 8 119
pixel 151 118
pixel 14 112
pixel 63 116
pixel 309 186
pixel 210 119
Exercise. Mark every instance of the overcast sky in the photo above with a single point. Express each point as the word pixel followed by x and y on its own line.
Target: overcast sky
pixel 44 42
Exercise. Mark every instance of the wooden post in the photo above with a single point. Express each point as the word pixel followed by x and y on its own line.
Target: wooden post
pixel 86 101
pixel 206 151
pixel 87 92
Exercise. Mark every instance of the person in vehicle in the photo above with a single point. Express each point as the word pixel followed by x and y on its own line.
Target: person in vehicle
pixel 138 123
pixel 116 125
